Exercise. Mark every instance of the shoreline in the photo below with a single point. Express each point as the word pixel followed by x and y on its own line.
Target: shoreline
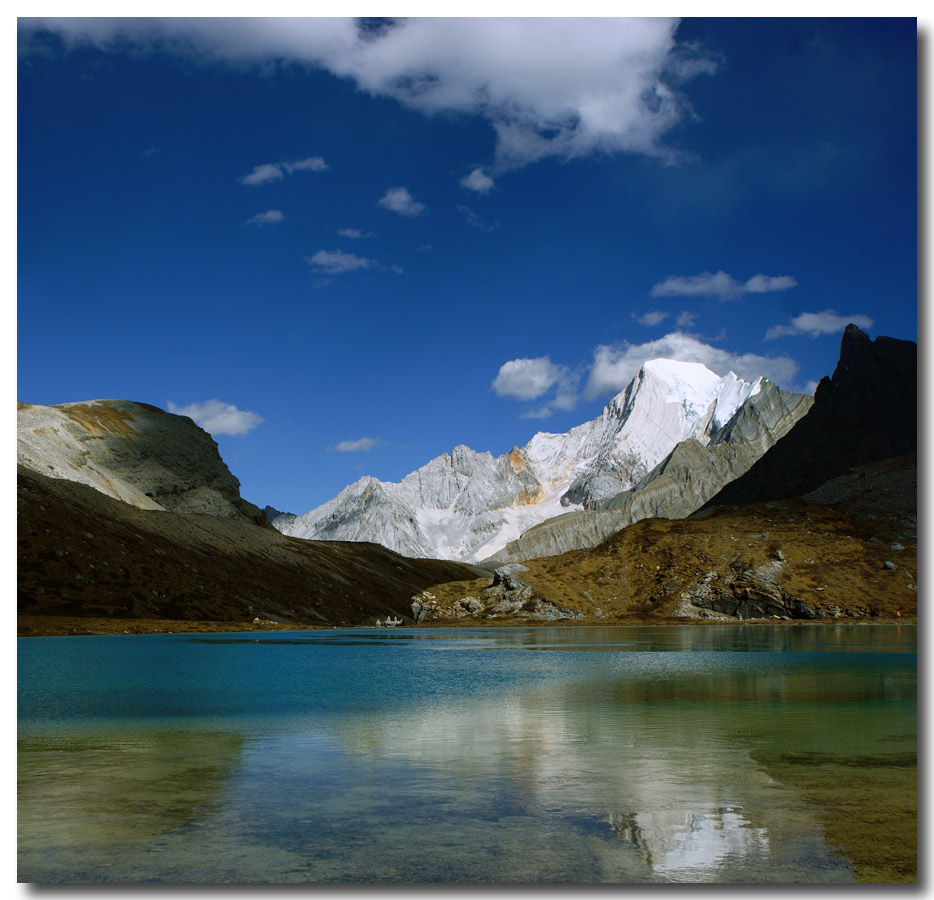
pixel 68 626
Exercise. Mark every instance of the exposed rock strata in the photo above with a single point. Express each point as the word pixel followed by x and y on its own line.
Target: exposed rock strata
pixel 132 452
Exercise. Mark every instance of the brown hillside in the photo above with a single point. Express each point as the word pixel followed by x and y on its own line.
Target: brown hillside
pixel 83 556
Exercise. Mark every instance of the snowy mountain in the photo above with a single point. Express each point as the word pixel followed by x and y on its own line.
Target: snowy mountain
pixel 467 506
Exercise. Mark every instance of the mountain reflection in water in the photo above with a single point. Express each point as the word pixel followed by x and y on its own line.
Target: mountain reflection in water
pixel 351 757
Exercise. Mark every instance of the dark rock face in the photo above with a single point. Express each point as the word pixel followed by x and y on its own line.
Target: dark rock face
pixel 752 594
pixel 867 411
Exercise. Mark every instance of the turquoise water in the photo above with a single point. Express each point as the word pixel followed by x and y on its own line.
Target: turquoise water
pixel 616 754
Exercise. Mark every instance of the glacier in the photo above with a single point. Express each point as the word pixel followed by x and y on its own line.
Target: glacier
pixel 467 505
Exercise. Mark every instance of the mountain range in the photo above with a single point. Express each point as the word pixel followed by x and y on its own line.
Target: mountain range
pixel 128 518
pixel 662 446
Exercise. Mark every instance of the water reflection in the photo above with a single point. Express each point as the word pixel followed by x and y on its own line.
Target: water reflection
pixel 349 758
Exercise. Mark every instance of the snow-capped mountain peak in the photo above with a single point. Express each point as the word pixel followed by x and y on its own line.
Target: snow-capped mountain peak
pixel 467 505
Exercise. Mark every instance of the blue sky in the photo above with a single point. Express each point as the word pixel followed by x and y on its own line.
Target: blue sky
pixel 345 248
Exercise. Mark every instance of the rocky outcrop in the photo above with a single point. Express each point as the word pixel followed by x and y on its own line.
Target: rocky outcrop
pixel 751 594
pixel 681 483
pixel 507 596
pixel 867 411
pixel 132 452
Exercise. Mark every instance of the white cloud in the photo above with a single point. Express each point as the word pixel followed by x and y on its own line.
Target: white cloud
pixel 478 181
pixel 217 417
pixel 816 324
pixel 526 379
pixel 549 86
pixel 763 284
pixel 310 164
pixel 270 217
pixel 720 284
pixel 685 319
pixel 361 445
pixel 399 200
pixel 545 412
pixel 355 233
pixel 262 174
pixel 267 172
pixel 336 262
pixel 613 367
pixel 655 317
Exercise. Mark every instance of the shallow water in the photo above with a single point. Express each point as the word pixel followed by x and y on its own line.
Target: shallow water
pixel 616 754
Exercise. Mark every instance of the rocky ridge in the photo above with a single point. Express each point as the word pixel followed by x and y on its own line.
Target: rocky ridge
pixel 866 411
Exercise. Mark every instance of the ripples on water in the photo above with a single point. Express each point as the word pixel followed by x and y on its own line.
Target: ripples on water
pixel 520 755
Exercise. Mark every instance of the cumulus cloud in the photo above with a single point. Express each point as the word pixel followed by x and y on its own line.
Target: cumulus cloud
pixel 560 87
pixel 478 181
pixel 721 285
pixel 217 417
pixel 270 217
pixel 399 200
pixel 614 366
pixel 336 262
pixel 526 379
pixel 267 172
pixel 355 233
pixel 816 324
pixel 655 317
pixel 361 445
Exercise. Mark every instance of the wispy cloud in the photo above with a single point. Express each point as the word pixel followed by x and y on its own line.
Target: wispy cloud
pixel 478 181
pixel 475 220
pixel 560 87
pixel 816 324
pixel 336 262
pixel 270 217
pixel 150 151
pixel 720 285
pixel 354 233
pixel 361 445
pixel 685 319
pixel 266 172
pixel 309 164
pixel 399 200
pixel 655 317
pixel 217 417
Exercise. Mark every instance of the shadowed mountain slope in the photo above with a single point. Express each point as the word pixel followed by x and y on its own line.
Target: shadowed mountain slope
pixel 866 411
pixel 89 562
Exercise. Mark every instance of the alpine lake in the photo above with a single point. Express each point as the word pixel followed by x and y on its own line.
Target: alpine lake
pixel 707 753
